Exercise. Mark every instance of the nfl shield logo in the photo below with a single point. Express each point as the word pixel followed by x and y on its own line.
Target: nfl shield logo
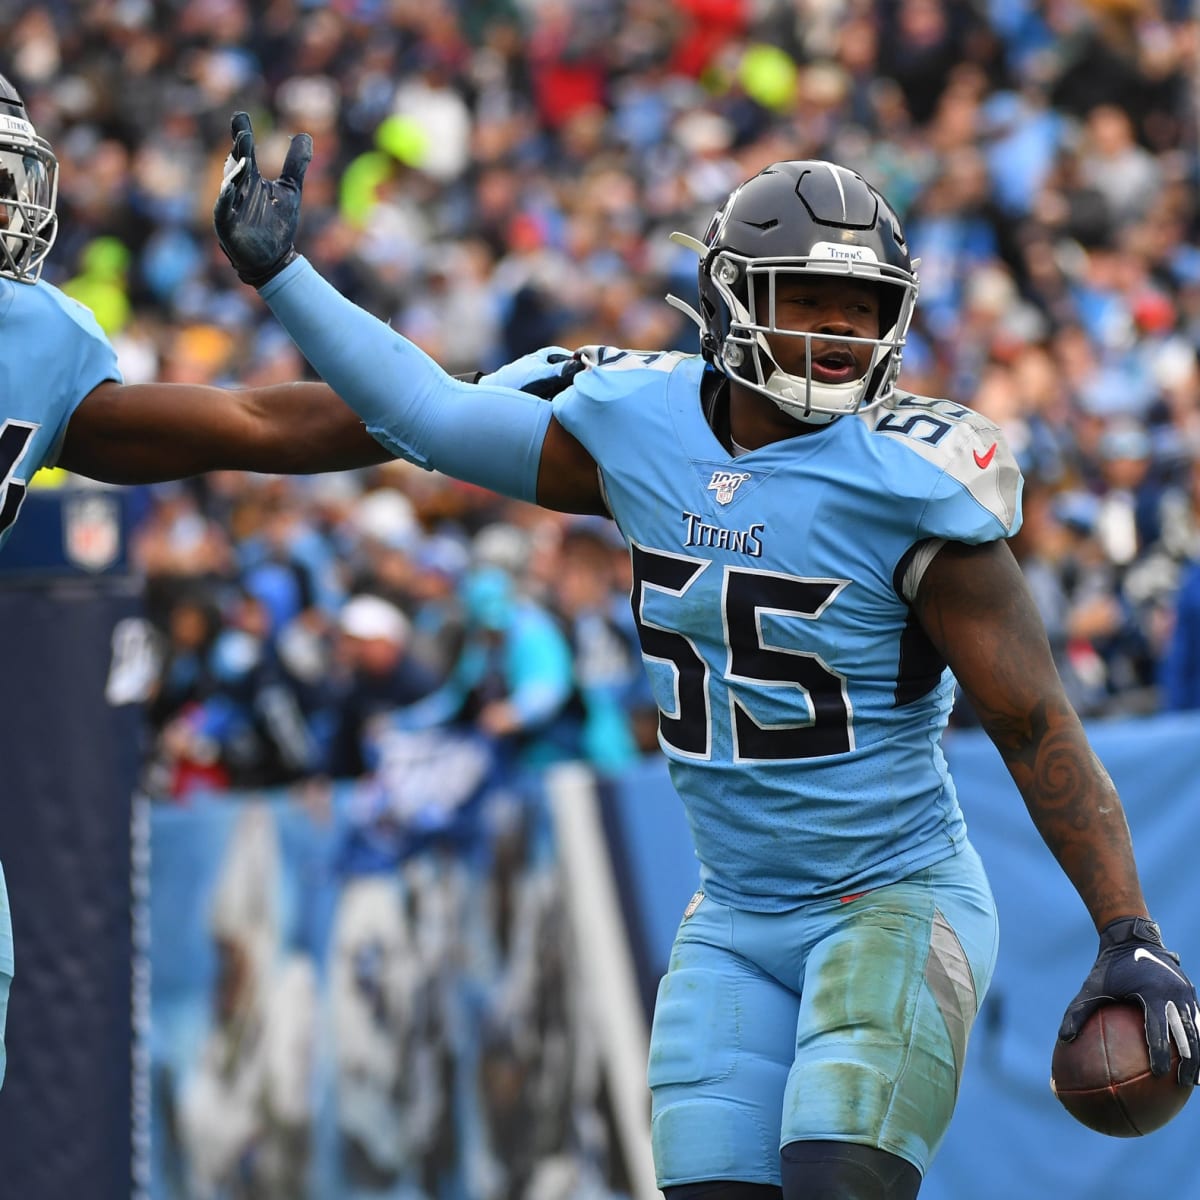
pixel 725 483
pixel 92 531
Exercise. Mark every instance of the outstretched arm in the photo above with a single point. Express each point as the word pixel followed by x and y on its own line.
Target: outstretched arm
pixel 495 437
pixel 142 433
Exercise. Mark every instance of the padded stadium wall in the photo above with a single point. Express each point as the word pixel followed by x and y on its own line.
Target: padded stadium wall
pixel 69 1108
pixel 364 996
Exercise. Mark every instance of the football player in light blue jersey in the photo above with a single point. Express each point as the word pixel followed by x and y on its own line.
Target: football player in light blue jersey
pixel 817 556
pixel 63 401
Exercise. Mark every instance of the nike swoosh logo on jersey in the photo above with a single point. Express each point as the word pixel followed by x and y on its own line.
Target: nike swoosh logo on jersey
pixel 1140 954
pixel 982 460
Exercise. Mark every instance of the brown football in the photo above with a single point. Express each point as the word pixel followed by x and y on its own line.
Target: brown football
pixel 1103 1077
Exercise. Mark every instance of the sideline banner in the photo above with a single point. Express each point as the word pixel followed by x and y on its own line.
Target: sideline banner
pixel 361 995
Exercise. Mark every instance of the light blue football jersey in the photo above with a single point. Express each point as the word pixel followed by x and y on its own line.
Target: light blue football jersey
pixel 801 704
pixel 52 353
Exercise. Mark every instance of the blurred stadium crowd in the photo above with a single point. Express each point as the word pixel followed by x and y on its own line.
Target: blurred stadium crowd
pixel 496 175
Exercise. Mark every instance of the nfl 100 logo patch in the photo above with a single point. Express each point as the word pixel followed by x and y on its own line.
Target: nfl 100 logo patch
pixel 725 483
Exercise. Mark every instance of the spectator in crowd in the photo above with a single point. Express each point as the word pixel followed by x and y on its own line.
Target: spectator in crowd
pixel 512 679
pixel 603 641
pixel 1096 633
pixel 177 545
pixel 231 717
pixel 440 563
pixel 1103 640
pixel 1180 670
pixel 379 674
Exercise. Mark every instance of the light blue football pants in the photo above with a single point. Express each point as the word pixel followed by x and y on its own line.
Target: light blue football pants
pixel 844 1019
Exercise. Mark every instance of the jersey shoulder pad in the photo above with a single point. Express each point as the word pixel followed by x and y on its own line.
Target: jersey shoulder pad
pixel 620 391
pixel 611 374
pixel 616 358
pixel 612 360
pixel 973 460
pixel 61 334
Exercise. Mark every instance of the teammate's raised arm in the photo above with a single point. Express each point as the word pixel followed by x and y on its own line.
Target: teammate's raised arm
pixel 495 437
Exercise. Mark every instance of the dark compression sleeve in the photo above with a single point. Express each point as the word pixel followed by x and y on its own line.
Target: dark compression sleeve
pixel 490 436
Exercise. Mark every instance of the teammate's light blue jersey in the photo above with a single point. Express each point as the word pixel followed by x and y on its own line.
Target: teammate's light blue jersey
pixel 52 353
pixel 802 705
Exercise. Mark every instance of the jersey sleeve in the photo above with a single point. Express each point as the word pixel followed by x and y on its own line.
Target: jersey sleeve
pixel 486 435
pixel 615 381
pixel 975 492
pixel 977 497
pixel 85 359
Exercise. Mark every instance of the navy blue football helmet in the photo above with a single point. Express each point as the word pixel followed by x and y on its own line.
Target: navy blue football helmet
pixel 800 216
pixel 28 191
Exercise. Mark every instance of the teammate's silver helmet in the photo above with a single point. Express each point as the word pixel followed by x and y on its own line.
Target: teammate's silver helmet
pixel 801 216
pixel 28 191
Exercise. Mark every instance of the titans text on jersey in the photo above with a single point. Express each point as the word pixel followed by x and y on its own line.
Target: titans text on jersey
pixel 700 532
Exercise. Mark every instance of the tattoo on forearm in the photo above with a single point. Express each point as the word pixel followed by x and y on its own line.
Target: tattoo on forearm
pixel 1070 798
pixel 978 612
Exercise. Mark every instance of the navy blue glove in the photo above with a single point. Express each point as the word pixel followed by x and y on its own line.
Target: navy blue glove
pixel 256 219
pixel 1132 965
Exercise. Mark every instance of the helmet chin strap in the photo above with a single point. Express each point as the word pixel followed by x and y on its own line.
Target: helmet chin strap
pixel 795 396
